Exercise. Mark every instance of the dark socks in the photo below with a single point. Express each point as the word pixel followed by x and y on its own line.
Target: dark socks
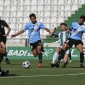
pixel 42 49
pixel 40 57
pixel 70 56
pixel 5 54
pixel 0 69
pixel 1 57
pixel 64 65
pixel 61 55
pixel 81 58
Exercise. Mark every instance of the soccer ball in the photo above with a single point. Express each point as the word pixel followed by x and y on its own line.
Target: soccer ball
pixel 26 64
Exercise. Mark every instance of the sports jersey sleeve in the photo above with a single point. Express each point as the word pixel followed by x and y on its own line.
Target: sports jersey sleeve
pixel 5 24
pixel 83 29
pixel 25 28
pixel 42 26
pixel 72 25
pixel 55 34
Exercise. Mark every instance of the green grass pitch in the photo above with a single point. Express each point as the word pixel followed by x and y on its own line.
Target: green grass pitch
pixel 71 75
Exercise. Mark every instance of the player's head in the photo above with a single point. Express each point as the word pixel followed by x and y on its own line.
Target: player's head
pixel 63 26
pixel 32 18
pixel 82 20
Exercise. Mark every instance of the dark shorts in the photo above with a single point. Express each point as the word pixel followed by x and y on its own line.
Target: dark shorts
pixel 3 39
pixel 72 42
pixel 34 45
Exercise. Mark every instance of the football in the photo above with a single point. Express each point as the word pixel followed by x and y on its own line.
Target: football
pixel 26 64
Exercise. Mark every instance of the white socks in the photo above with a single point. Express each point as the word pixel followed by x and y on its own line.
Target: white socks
pixel 55 57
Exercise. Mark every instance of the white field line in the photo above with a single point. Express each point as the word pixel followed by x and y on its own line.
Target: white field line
pixel 33 76
pixel 43 69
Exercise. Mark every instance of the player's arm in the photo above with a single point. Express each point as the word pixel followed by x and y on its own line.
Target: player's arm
pixel 7 26
pixel 55 34
pixel 49 31
pixel 43 27
pixel 20 32
pixel 54 30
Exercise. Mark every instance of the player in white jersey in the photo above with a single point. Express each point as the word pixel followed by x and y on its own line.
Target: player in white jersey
pixel 63 36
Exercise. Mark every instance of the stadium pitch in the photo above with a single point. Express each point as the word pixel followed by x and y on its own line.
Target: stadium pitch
pixel 71 75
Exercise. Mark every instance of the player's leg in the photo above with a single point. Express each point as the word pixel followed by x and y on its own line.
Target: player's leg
pixel 33 49
pixel 80 48
pixel 62 53
pixel 2 72
pixel 70 57
pixel 39 55
pixel 2 52
pixel 6 58
pixel 67 44
pixel 65 60
pixel 55 57
pixel 34 52
pixel 38 46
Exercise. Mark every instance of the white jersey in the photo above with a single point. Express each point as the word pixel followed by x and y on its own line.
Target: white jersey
pixel 63 36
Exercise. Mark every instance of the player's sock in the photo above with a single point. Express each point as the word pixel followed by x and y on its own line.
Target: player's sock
pixel 70 56
pixel 42 49
pixel 0 69
pixel 1 57
pixel 7 60
pixel 61 55
pixel 40 57
pixel 54 57
pixel 5 55
pixel 81 58
pixel 64 65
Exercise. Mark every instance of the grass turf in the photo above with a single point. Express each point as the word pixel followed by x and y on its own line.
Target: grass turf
pixel 71 75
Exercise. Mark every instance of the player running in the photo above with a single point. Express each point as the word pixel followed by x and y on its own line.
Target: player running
pixel 34 36
pixel 77 29
pixel 4 35
pixel 63 36
pixel 2 53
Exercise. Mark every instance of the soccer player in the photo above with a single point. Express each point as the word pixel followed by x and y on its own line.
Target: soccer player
pixel 63 36
pixel 33 28
pixel 2 52
pixel 2 32
pixel 77 29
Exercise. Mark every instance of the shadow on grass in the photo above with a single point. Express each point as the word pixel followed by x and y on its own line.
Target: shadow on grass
pixel 12 75
pixel 15 64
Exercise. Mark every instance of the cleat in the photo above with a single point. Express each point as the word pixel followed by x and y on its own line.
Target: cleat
pixel 4 73
pixel 57 65
pixel 81 66
pixel 7 61
pixel 52 64
pixel 40 65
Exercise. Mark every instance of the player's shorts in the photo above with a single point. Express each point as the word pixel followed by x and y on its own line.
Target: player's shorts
pixel 34 45
pixel 72 42
pixel 66 52
pixel 2 38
